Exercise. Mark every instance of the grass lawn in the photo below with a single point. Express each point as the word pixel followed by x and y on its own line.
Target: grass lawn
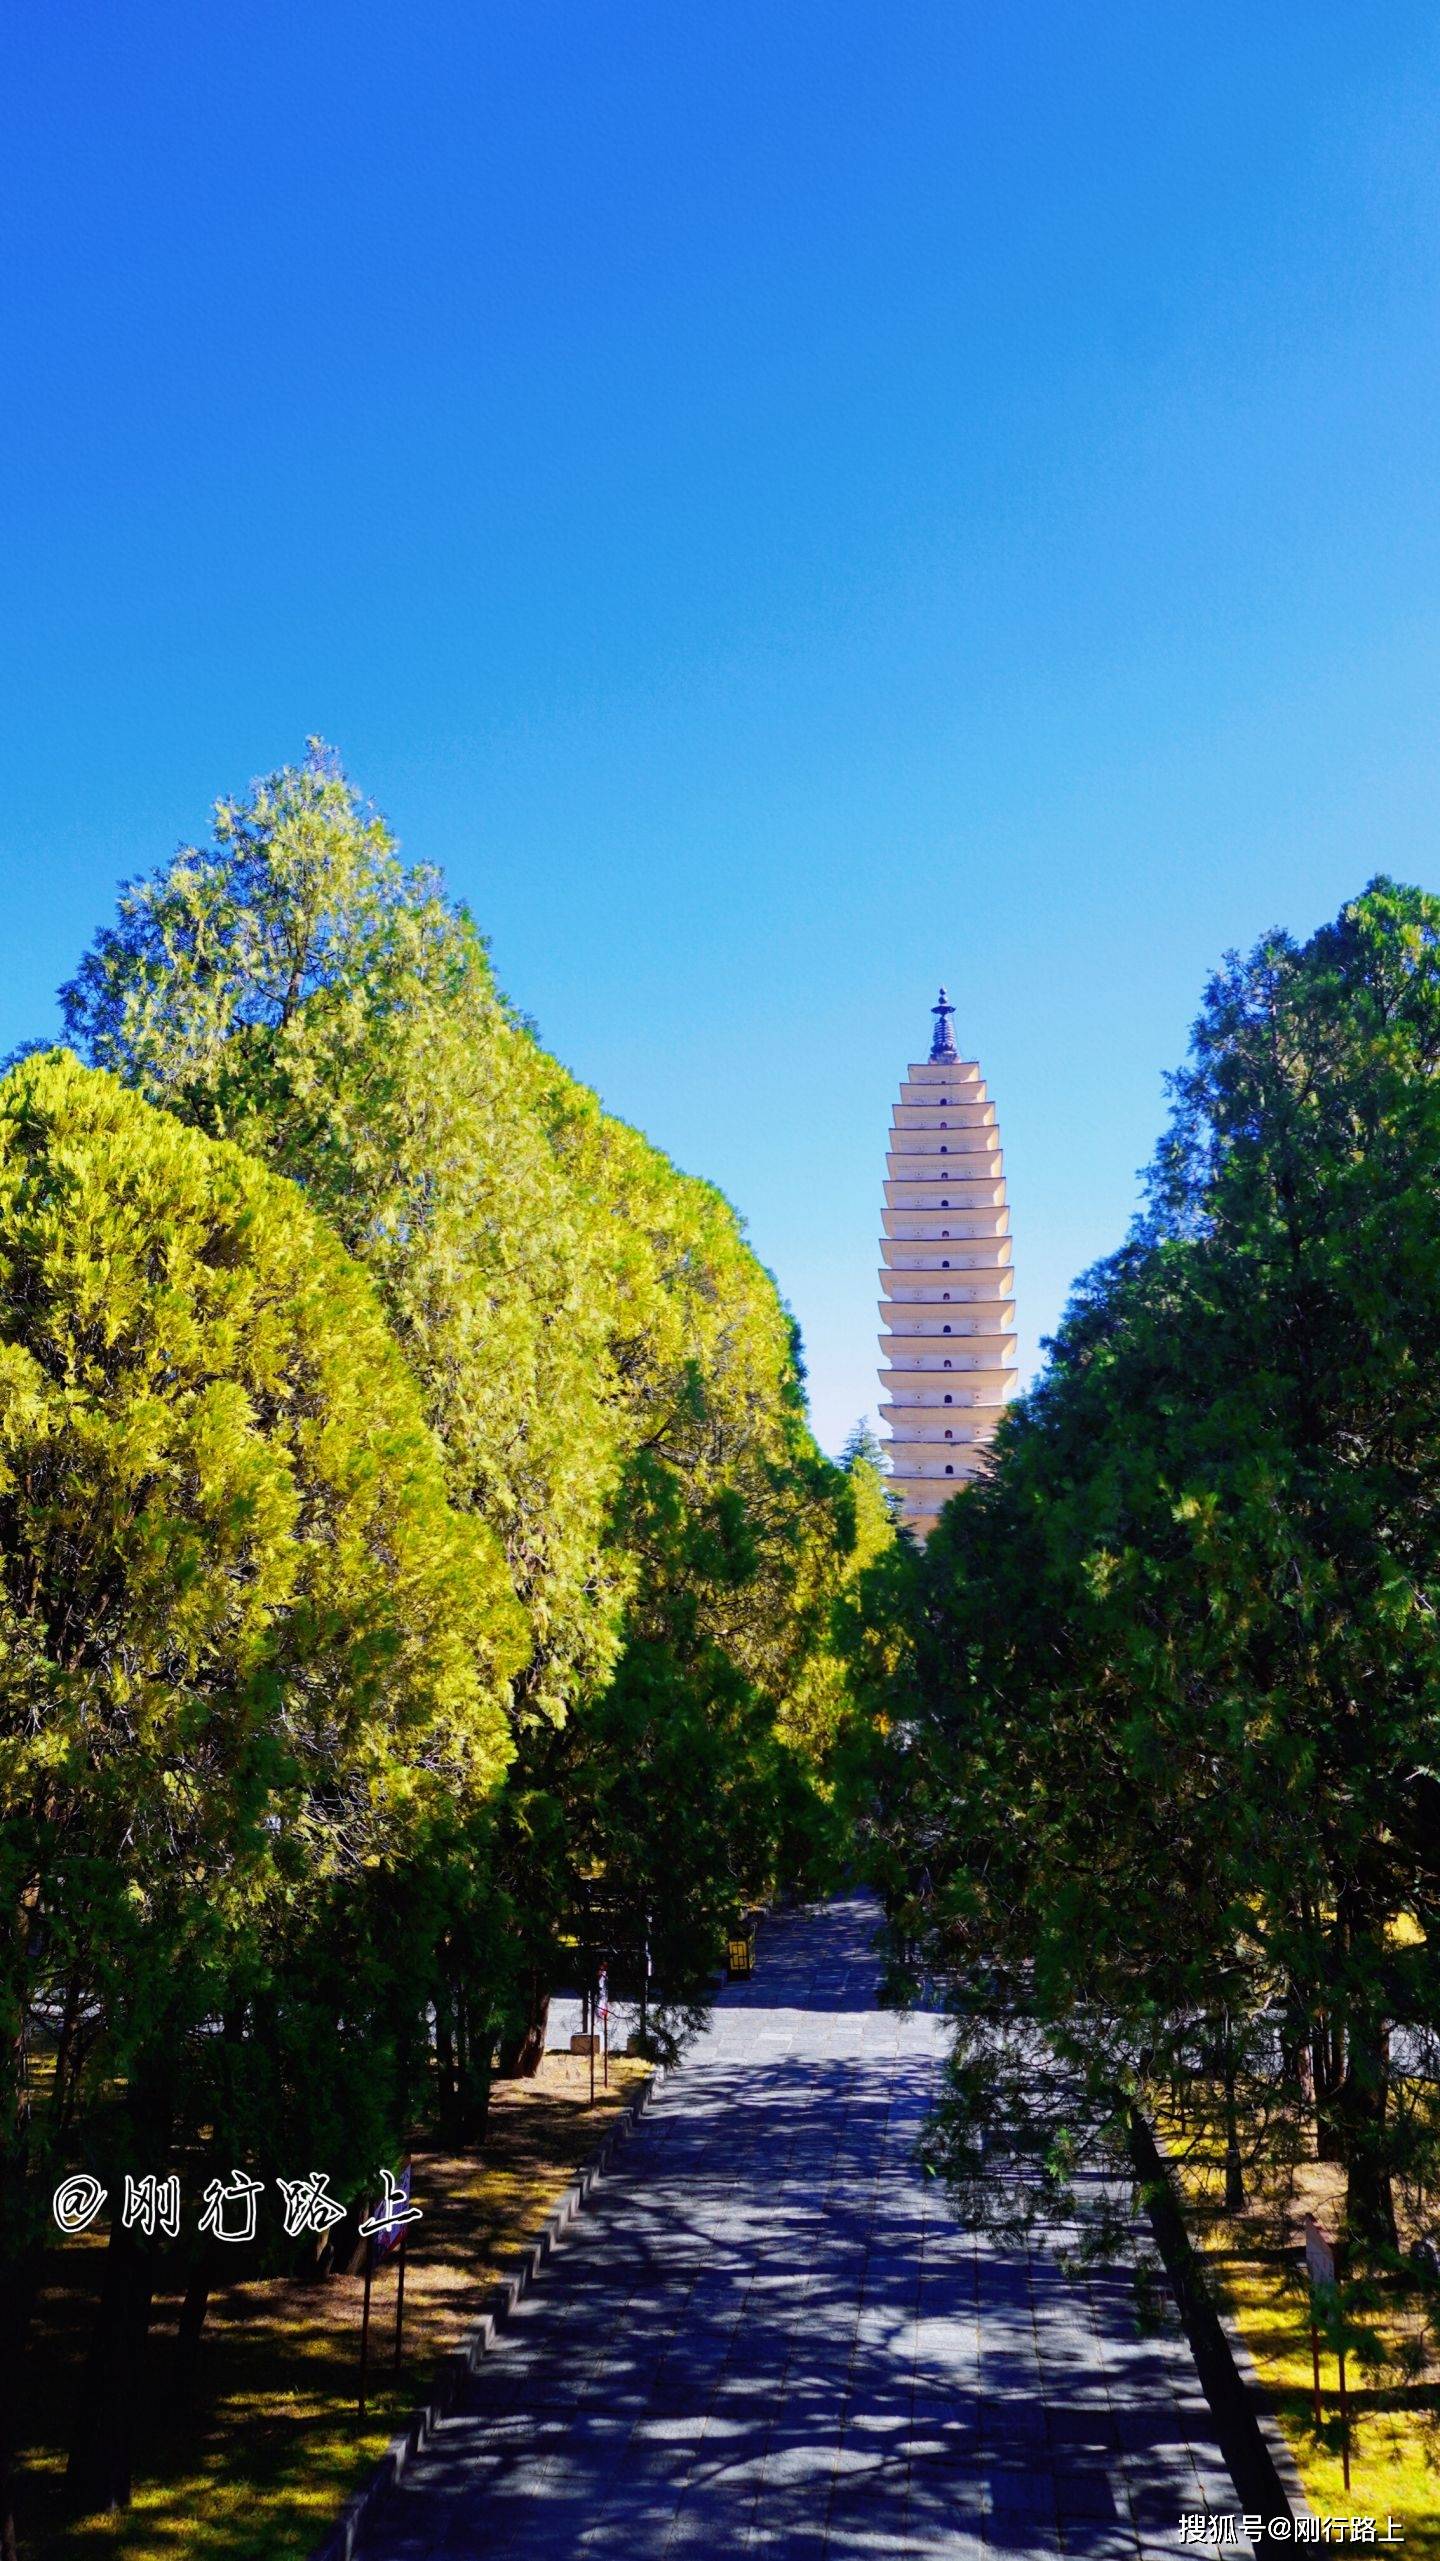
pixel 1256 2258
pixel 252 2451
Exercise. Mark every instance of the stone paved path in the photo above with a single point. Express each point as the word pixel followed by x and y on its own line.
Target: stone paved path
pixel 769 2337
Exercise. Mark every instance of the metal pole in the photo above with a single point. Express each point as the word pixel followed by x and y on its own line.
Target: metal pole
pixel 400 2295
pixel 605 2025
pixel 365 2323
pixel 1315 2360
pixel 1344 2423
pixel 590 2041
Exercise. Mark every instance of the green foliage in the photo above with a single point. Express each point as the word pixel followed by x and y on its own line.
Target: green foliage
pixel 410 1532
pixel 611 1375
pixel 1174 1769
pixel 294 987
pixel 253 1676
pixel 248 1653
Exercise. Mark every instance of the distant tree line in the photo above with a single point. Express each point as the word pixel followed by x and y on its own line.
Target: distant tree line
pixel 1158 1774
pixel 410 1529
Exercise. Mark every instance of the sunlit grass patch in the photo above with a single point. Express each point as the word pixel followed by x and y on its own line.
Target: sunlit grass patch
pixel 1391 2422
pixel 1255 2258
pixel 249 2454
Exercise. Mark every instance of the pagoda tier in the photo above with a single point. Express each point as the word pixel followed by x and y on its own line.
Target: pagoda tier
pixel 947 1304
pixel 958 1317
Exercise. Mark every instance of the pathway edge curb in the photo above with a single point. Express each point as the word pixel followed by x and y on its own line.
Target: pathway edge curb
pixel 1250 2388
pixel 503 2296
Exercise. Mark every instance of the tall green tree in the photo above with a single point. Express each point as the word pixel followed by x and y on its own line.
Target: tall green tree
pixel 296 988
pixel 1174 1760
pixel 596 1346
pixel 254 1672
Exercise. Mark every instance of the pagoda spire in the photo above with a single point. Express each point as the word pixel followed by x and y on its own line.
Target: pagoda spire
pixel 943 1044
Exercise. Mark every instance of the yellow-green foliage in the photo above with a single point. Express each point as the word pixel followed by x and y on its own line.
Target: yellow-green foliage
pixel 410 1525
pixel 573 1308
pixel 296 988
pixel 248 1651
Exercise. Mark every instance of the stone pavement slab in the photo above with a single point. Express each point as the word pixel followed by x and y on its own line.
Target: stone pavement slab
pixel 768 2336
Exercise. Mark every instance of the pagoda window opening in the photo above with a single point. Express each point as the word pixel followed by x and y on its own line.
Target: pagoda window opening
pixel 949 1471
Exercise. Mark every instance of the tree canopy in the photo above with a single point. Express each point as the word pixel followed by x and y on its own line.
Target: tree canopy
pixel 1171 1750
pixel 251 1658
pixel 611 1374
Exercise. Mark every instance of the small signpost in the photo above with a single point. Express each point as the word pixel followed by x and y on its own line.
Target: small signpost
pixel 1320 2268
pixel 386 2227
pixel 603 2005
pixel 604 1930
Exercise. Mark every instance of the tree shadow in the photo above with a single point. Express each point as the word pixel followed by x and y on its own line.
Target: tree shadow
pixel 770 2332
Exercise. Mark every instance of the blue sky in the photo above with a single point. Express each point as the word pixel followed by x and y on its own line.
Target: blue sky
pixel 785 503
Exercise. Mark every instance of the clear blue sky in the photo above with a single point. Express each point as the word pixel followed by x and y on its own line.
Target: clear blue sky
pixel 784 502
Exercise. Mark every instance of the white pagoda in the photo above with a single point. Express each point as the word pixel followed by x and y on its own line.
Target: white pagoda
pixel 948 1351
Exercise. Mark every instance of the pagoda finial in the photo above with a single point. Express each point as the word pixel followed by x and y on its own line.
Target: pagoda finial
pixel 943 1044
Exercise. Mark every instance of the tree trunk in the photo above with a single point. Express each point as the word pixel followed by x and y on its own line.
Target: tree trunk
pixel 19 2284
pixel 1358 2104
pixel 447 2086
pixel 1234 2172
pixel 522 2056
pixel 1327 2051
pixel 475 2096
pixel 60 2081
pixel 532 2046
pixel 194 2306
pixel 102 2449
pixel 1362 2120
